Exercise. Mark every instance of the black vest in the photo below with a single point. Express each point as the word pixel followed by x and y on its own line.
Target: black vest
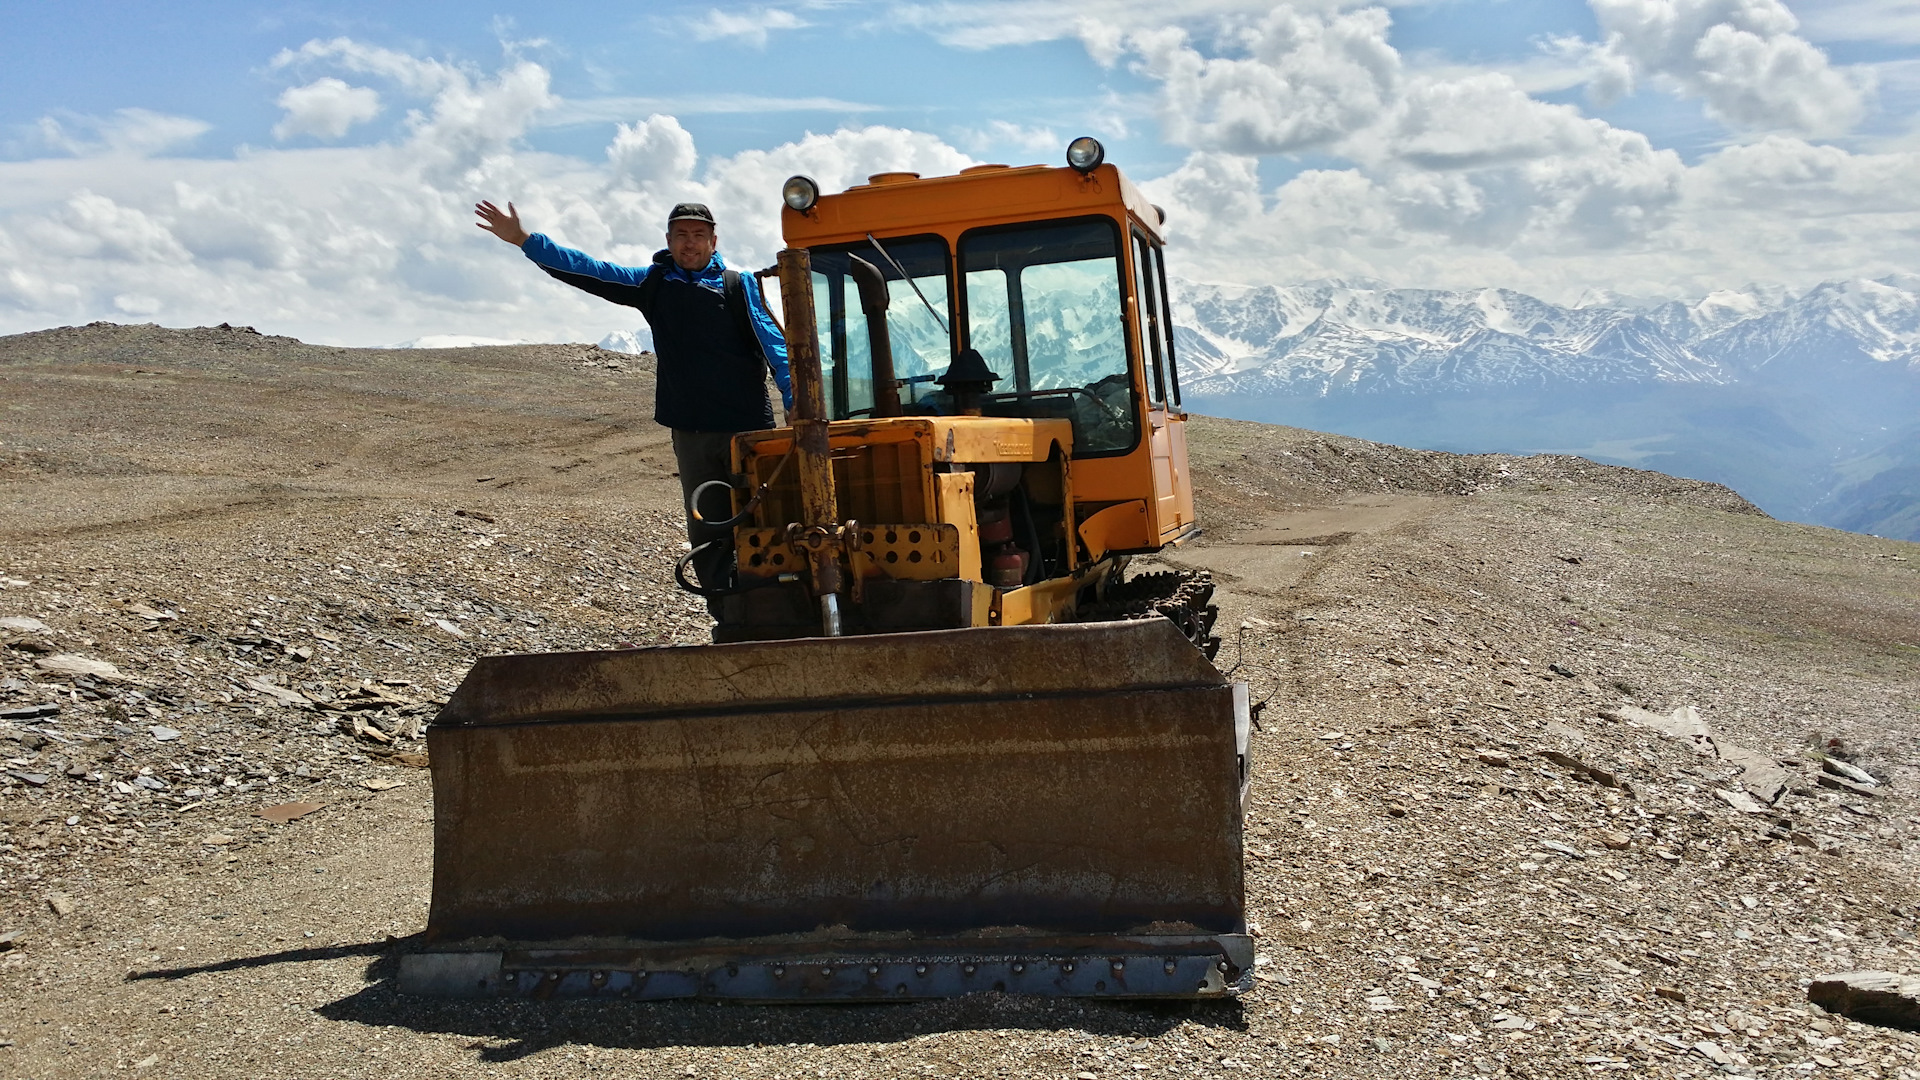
pixel 711 375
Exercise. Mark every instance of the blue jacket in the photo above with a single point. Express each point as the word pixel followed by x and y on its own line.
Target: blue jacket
pixel 708 376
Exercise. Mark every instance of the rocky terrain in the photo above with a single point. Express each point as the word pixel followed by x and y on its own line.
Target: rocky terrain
pixel 1562 768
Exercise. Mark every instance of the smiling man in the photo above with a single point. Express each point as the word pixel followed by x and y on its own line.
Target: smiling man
pixel 714 341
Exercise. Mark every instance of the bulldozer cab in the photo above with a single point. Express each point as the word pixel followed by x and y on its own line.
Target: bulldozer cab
pixel 1055 277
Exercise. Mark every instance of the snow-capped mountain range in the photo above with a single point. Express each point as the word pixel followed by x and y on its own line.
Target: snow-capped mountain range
pixel 1806 402
pixel 1346 337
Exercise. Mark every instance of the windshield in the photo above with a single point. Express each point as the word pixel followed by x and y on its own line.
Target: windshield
pixel 1043 309
pixel 920 346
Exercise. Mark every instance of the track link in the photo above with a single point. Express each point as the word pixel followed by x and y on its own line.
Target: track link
pixel 1180 596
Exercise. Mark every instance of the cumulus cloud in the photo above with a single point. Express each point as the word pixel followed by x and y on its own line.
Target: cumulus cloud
pixel 1431 179
pixel 1741 57
pixel 654 153
pixel 325 108
pixel 1450 159
pixel 374 243
pixel 750 26
pixel 1302 81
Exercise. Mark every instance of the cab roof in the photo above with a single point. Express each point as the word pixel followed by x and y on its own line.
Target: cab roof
pixel 904 203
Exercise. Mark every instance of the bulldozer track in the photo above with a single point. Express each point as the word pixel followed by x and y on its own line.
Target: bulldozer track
pixel 1183 597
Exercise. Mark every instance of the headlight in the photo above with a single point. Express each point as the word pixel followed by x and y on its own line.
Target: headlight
pixel 1085 154
pixel 800 192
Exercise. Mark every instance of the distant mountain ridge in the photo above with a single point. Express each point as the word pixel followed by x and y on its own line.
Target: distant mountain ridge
pixel 1806 402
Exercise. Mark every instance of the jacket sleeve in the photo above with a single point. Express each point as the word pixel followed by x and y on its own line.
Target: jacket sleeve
pixel 608 281
pixel 772 343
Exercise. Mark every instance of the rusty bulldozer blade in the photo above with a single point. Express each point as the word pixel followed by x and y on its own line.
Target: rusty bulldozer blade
pixel 1046 809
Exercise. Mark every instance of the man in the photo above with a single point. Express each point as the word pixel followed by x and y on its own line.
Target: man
pixel 714 342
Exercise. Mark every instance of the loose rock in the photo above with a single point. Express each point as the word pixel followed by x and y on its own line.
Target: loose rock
pixel 1884 998
pixel 284 812
pixel 1841 783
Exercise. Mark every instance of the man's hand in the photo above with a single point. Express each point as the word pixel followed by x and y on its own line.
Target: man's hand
pixel 505 225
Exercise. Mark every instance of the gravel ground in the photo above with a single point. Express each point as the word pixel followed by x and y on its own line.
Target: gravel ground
pixel 1475 848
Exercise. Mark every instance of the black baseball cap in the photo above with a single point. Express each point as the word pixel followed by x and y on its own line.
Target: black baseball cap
pixel 690 211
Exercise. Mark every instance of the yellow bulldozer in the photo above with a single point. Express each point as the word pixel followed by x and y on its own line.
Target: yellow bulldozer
pixel 941 744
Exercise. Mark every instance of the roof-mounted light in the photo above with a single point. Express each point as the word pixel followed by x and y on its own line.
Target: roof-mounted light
pixel 1085 154
pixel 800 192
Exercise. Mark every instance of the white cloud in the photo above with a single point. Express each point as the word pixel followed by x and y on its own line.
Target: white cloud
pixel 653 153
pixel 1467 161
pixel 1741 57
pixel 1100 24
pixel 325 108
pixel 1619 217
pixel 1304 81
pixel 603 110
pixel 1882 22
pixel 416 74
pixel 1438 178
pixel 750 26
pixel 91 226
pixel 371 244
pixel 127 131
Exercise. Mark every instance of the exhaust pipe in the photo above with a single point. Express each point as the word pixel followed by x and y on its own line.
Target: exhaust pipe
pixel 873 303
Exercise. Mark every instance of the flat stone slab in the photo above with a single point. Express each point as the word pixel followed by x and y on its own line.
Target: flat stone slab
pixel 1885 998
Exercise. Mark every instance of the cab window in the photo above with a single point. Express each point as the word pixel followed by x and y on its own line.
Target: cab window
pixel 921 345
pixel 1043 308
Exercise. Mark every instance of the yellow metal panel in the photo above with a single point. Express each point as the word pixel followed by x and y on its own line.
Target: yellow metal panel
pixel 908 552
pixel 881 471
pixel 1184 522
pixel 926 552
pixel 1121 527
pixel 1042 603
pixel 764 553
pixel 956 509
pixel 995 438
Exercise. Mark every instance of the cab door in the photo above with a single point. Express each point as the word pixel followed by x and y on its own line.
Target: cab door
pixel 1152 330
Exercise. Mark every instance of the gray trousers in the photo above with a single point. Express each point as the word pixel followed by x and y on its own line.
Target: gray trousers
pixel 702 456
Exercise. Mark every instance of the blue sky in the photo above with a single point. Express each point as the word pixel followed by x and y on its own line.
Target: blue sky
pixel 307 168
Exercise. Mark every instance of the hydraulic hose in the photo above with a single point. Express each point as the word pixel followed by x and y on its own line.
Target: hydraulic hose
pixel 759 492
pixel 680 577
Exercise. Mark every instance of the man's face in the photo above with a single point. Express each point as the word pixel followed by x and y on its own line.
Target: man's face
pixel 691 243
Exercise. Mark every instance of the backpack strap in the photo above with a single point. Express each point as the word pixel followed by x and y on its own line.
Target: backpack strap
pixel 735 291
pixel 649 290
